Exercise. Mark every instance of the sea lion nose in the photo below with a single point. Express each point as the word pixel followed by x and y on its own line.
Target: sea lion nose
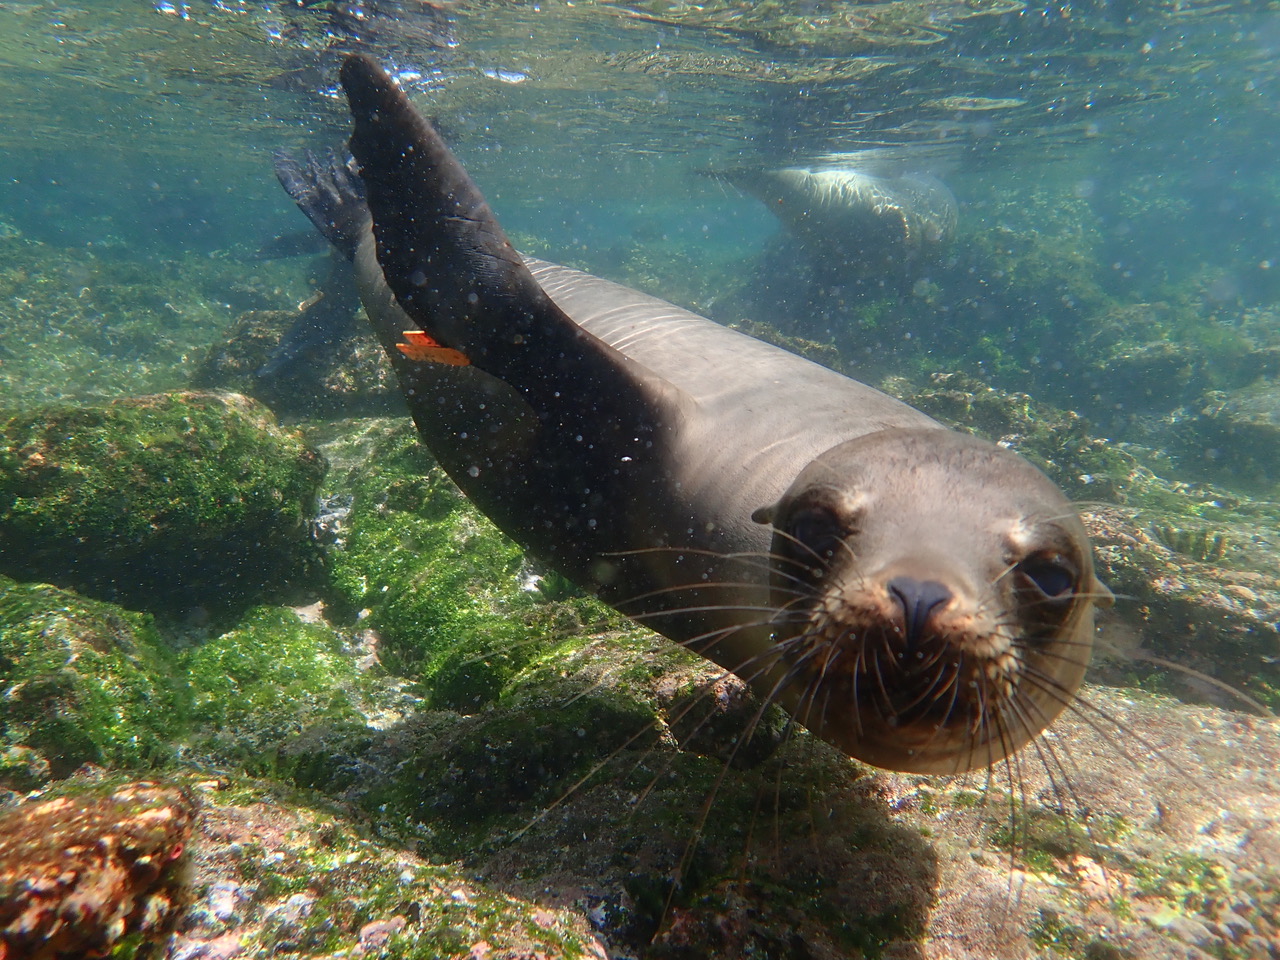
pixel 918 599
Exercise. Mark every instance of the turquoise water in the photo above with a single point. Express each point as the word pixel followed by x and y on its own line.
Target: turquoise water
pixel 1117 258
pixel 145 131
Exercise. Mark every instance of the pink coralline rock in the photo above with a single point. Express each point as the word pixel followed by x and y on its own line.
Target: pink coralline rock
pixel 94 874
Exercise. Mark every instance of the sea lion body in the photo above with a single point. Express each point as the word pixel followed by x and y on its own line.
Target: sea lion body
pixel 677 468
pixel 856 223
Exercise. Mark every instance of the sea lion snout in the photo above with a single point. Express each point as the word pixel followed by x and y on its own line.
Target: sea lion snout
pixel 918 599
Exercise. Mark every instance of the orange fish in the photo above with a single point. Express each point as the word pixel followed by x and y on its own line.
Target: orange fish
pixel 426 350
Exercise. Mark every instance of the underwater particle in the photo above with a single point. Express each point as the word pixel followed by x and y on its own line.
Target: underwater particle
pixel 97 874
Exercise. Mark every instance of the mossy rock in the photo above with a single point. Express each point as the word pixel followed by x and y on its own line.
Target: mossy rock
pixel 272 677
pixel 82 682
pixel 164 503
pixel 1235 437
pixel 449 594
pixel 344 376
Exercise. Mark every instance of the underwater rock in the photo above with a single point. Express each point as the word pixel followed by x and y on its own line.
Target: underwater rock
pixel 164 503
pixel 318 361
pixel 1200 595
pixel 1235 436
pixel 94 871
pixel 449 595
pixel 272 677
pixel 81 682
pixel 1154 358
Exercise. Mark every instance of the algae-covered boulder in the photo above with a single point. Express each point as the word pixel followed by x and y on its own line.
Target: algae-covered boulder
pixel 263 356
pixel 267 680
pixel 449 594
pixel 80 682
pixel 164 503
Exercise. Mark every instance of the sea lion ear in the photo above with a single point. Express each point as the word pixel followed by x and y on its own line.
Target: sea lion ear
pixel 765 515
pixel 1101 594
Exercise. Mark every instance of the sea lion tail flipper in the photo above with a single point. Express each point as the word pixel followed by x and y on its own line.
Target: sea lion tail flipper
pixel 329 192
pixel 454 272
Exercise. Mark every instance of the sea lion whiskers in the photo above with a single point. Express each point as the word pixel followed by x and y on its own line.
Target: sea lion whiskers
pixel 1067 801
pixel 818 683
pixel 709 800
pixel 650 727
pixel 762 560
pixel 684 587
pixel 1102 722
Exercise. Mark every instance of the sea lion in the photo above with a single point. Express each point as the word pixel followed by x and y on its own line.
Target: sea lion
pixel 918 597
pixel 856 222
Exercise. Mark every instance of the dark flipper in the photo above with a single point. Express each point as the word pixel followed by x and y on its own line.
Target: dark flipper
pixel 452 269
pixel 329 193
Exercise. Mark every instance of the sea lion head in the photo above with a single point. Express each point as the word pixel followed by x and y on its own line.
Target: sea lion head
pixel 935 599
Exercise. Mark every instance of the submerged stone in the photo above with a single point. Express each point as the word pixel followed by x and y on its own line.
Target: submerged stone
pixel 94 871
pixel 266 681
pixel 81 682
pixel 300 376
pixel 169 503
pixel 1235 436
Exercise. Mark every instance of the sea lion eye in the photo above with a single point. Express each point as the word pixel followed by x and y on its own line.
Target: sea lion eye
pixel 817 531
pixel 1052 575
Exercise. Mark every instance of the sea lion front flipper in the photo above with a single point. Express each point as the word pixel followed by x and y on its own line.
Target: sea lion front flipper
pixel 454 272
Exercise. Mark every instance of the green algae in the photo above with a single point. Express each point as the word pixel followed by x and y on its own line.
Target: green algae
pixel 1188 882
pixel 83 682
pixel 272 677
pixel 164 502
pixel 94 322
pixel 449 594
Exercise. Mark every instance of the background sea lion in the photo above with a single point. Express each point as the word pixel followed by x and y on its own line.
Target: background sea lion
pixel 920 598
pixel 855 221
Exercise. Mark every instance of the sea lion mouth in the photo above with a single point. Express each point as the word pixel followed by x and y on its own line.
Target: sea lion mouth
pixel 907 675
pixel 902 677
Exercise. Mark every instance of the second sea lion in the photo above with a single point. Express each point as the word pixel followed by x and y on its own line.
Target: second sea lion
pixel 920 598
pixel 855 222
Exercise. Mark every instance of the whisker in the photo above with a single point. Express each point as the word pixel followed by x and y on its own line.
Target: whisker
pixel 707 585
pixel 753 559
pixel 709 801
pixel 791 538
pixel 703 608
pixel 1089 713
pixel 1213 681
pixel 740 671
